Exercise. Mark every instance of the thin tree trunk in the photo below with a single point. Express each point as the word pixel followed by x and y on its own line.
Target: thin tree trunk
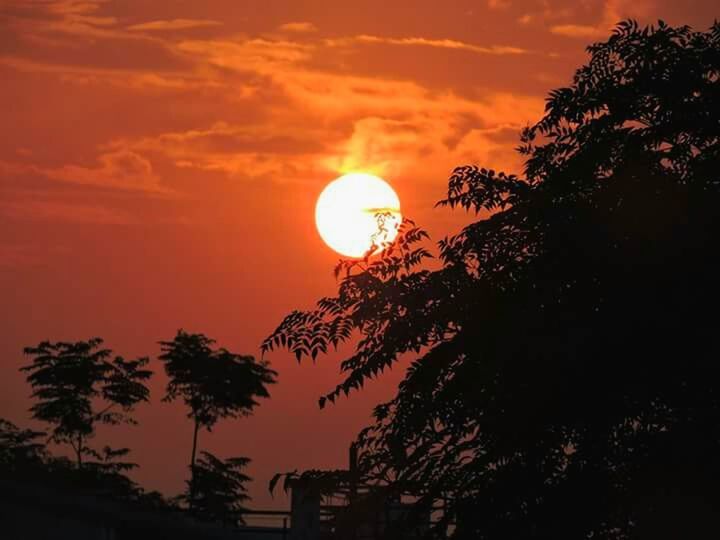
pixel 192 465
pixel 79 451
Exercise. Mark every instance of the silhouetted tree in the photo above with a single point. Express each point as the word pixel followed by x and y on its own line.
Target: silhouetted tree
pixel 20 448
pixel 25 459
pixel 213 383
pixel 322 483
pixel 218 489
pixel 110 463
pixel 564 380
pixel 79 385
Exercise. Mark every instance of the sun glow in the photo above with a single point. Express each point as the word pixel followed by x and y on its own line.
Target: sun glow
pixel 355 212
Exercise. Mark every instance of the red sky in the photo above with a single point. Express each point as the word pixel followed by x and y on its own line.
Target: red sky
pixel 160 161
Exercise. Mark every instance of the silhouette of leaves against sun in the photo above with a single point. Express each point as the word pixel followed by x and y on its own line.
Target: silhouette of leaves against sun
pixel 563 377
pixel 335 319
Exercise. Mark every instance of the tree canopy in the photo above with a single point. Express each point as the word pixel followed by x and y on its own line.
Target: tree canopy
pixel 214 383
pixel 217 491
pixel 25 460
pixel 563 377
pixel 19 448
pixel 79 385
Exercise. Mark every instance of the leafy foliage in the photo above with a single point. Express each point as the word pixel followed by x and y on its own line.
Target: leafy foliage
pixel 323 483
pixel 374 289
pixel 24 459
pixel 79 385
pixel 213 383
pixel 564 380
pixel 19 447
pixel 218 490
pixel 105 475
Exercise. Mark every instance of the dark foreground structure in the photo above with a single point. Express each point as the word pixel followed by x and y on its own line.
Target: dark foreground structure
pixel 325 505
pixel 38 513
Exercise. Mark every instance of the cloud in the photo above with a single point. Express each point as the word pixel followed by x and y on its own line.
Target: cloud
pixel 20 255
pixel 63 19
pixel 419 146
pixel 525 19
pixel 224 137
pixel 579 30
pixel 136 79
pixel 120 169
pixel 72 7
pixel 385 127
pixel 257 54
pixel 74 21
pixel 310 118
pixel 304 88
pixel 498 4
pixel 275 149
pixel 613 11
pixel 425 42
pixel 174 24
pixel 60 211
pixel 379 145
pixel 299 27
pixel 321 122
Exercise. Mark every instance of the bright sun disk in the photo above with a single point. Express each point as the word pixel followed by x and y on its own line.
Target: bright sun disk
pixel 348 211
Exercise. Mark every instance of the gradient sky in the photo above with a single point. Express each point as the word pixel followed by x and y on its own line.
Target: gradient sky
pixel 160 162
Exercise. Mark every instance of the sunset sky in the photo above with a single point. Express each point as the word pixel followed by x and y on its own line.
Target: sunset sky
pixel 160 163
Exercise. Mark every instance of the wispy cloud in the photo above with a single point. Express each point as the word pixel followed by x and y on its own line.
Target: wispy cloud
pixel 66 212
pixel 613 11
pixel 299 27
pixel 24 255
pixel 174 24
pixel 64 20
pixel 120 169
pixel 498 4
pixel 321 121
pixel 527 18
pixel 425 42
pixel 256 54
pixel 579 30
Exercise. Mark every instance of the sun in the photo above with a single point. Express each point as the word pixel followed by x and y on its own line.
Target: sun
pixel 355 212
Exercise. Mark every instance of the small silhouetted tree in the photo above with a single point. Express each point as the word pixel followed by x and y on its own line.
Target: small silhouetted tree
pixel 564 379
pixel 78 386
pixel 217 490
pixel 213 383
pixel 24 457
pixel 20 448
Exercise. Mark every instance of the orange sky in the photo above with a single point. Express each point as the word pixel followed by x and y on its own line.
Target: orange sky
pixel 160 161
